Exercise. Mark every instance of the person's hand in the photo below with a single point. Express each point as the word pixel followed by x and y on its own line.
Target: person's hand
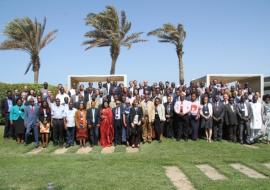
pixel 11 122
pixel 98 125
pixel 89 126
pixel 132 125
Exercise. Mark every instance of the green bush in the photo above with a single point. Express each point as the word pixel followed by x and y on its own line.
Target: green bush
pixel 4 87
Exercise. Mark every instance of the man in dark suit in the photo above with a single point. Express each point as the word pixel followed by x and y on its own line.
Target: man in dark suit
pixel 108 86
pixel 169 117
pixel 231 119
pixel 31 121
pixel 6 106
pixel 218 118
pixel 245 115
pixel 118 122
pixel 136 114
pixel 93 122
pixel 80 100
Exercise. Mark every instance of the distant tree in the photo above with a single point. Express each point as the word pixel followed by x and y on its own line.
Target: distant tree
pixel 175 35
pixel 27 35
pixel 110 31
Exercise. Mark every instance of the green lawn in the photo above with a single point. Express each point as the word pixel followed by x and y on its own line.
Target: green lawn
pixel 142 170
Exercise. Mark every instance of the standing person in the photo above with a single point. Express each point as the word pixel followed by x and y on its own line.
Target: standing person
pixel 70 124
pixel 148 108
pixel 126 132
pixel 194 116
pixel 136 114
pixel 17 120
pixel 218 118
pixel 58 115
pixel 231 119
pixel 31 118
pixel 169 117
pixel 182 108
pixel 81 125
pixel 6 107
pixel 267 116
pixel 106 125
pixel 206 119
pixel 44 91
pixel 245 115
pixel 62 95
pixel 45 123
pixel 159 118
pixel 93 122
pixel 118 122
pixel 257 113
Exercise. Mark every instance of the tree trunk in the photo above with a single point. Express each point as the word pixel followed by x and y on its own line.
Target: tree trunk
pixel 36 75
pixel 114 55
pixel 181 66
pixel 112 72
pixel 36 66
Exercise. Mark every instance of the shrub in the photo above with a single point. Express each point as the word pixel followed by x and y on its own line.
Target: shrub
pixel 4 87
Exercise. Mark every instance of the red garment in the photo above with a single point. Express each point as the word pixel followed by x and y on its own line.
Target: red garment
pixel 106 127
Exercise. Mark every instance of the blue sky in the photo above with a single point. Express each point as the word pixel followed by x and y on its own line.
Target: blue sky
pixel 223 36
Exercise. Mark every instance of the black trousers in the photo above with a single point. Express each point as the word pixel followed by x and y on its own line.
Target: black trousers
pixel 217 129
pixel 182 128
pixel 135 135
pixel 9 130
pixel 58 131
pixel 194 123
pixel 244 131
pixel 169 128
pixel 117 131
pixel 158 126
pixel 232 132
pixel 94 135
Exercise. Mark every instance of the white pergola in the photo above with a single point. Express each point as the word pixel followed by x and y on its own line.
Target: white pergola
pixel 76 79
pixel 256 81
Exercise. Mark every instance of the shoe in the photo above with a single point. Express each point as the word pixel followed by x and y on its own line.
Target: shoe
pixel 68 145
pixel 133 146
pixel 37 145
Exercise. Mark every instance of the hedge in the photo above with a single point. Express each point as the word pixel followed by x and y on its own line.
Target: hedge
pixel 4 87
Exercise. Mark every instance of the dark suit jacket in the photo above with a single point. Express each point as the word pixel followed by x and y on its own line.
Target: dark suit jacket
pixel 109 91
pixel 241 114
pixel 4 106
pixel 121 112
pixel 218 111
pixel 231 117
pixel 171 110
pixel 133 113
pixel 89 116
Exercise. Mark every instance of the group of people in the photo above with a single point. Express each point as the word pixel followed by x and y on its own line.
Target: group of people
pixel 112 114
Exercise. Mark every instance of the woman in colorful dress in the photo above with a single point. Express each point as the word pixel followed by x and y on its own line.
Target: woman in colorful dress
pixel 106 125
pixel 45 123
pixel 81 125
pixel 17 120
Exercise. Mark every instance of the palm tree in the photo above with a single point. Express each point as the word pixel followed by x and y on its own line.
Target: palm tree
pixel 110 31
pixel 168 33
pixel 27 35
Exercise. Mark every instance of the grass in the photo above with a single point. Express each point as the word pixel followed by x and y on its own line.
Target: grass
pixel 142 170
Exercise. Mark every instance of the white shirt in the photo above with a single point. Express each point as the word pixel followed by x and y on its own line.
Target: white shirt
pixel 61 97
pixel 58 112
pixel 184 105
pixel 93 115
pixel 70 117
pixel 117 113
